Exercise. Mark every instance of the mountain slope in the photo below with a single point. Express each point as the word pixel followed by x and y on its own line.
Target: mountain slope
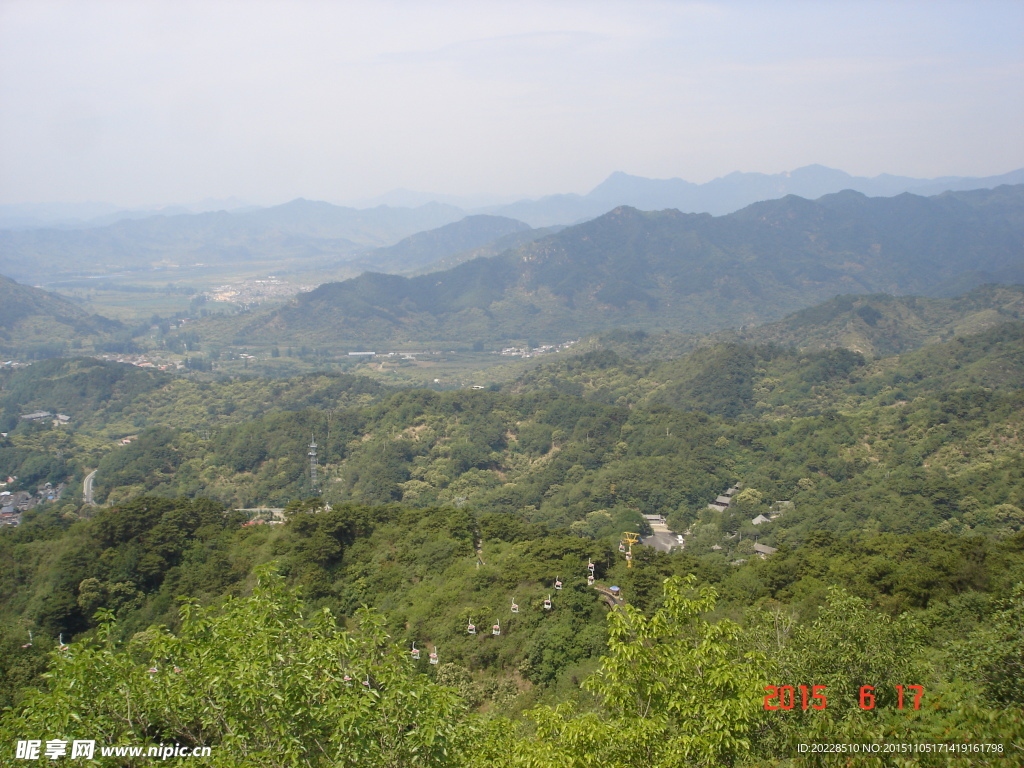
pixel 691 272
pixel 497 247
pixel 35 322
pixel 423 248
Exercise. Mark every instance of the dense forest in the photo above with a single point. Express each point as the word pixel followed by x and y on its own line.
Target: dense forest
pixel 890 488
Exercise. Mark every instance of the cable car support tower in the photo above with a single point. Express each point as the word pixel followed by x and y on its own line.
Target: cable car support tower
pixel 626 545
pixel 312 464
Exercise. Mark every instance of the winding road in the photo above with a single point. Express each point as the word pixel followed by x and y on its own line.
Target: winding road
pixel 87 487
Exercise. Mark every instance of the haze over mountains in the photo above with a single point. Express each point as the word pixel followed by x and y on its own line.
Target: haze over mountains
pixel 92 239
pixel 85 215
pixel 671 270
pixel 303 229
pixel 423 249
pixel 718 196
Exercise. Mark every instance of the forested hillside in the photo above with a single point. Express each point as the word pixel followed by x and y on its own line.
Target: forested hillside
pixel 669 270
pixel 881 325
pixel 36 324
pixel 891 492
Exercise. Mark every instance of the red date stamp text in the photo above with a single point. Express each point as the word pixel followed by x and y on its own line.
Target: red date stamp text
pixel 815 696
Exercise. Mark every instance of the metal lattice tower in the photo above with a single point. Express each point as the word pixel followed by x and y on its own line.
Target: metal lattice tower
pixel 312 463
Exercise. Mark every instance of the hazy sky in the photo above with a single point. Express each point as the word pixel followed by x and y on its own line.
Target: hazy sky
pixel 141 102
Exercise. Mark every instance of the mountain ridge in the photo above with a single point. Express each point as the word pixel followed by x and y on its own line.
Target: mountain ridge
pixel 682 271
pixel 729 193
pixel 317 235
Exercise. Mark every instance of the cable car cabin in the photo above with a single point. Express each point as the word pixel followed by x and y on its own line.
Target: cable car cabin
pixel 496 629
pixel 348 680
pixel 590 581
pixel 433 658
pixel 590 567
pixel 471 629
pixel 547 604
pixel 622 547
pixel 558 584
pixel 415 652
pixel 515 608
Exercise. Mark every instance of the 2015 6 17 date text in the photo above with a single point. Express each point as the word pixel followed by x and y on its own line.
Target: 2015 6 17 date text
pixel 814 696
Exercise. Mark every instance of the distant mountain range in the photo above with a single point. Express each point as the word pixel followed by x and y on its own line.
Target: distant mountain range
pixel 670 270
pixel 87 215
pixel 726 194
pixel 306 235
pixel 305 230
